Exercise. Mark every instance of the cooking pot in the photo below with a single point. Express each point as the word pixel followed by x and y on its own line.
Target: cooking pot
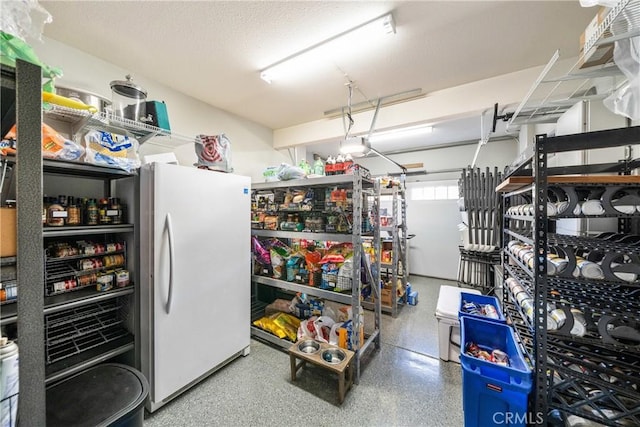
pixel 99 102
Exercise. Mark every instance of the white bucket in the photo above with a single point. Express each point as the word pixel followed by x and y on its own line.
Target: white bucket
pixel 8 384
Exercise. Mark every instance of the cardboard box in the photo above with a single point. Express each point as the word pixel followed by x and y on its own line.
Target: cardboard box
pixel 385 297
pixel 8 230
pixel 598 55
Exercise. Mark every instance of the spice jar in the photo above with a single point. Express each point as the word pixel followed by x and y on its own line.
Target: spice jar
pixel 115 211
pixel 92 212
pixel 56 215
pixel 103 209
pixel 73 212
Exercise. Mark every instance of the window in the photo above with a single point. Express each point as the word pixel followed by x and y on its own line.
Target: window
pixel 434 191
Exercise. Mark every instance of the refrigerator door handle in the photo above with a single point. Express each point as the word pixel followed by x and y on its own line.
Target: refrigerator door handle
pixel 171 261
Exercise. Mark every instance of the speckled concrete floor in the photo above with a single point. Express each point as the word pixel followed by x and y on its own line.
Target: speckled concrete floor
pixel 403 384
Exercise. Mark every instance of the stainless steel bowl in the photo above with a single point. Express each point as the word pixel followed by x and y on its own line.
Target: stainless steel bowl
pixel 309 346
pixel 333 356
pixel 99 102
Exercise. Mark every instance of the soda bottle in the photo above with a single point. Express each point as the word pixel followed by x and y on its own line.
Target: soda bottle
pixel 339 164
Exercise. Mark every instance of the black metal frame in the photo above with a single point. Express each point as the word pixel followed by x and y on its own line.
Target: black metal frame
pixel 569 371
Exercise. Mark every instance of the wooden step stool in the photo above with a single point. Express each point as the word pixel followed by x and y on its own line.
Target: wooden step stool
pixel 344 369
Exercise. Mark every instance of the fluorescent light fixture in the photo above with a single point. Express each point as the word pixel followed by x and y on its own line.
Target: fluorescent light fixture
pixel 401 133
pixel 356 146
pixel 341 46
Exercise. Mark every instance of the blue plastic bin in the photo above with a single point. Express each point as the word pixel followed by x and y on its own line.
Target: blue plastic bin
pixel 482 300
pixel 493 395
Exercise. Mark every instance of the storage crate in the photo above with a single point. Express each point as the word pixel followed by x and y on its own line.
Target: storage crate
pixel 481 300
pixel 334 281
pixel 493 394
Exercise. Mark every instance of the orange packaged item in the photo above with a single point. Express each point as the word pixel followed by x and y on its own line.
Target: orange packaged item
pixel 54 145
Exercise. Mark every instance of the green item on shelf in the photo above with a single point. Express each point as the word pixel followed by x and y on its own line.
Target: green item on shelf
pixel 13 48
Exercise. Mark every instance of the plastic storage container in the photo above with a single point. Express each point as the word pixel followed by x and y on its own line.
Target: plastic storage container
pixel 481 300
pixel 493 395
pixel 105 395
pixel 448 322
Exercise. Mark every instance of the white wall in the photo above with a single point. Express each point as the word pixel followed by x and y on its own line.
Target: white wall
pixel 252 144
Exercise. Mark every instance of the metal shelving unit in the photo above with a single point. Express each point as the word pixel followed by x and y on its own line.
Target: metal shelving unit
pixel 78 120
pixel 111 334
pixel 397 269
pixel 362 188
pixel 593 374
pixel 561 85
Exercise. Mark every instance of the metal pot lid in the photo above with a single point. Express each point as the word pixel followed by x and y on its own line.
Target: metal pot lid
pixel 128 88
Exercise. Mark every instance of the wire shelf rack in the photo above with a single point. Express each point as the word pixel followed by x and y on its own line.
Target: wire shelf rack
pixel 73 331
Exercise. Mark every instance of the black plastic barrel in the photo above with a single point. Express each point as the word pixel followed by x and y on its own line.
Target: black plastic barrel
pixel 104 395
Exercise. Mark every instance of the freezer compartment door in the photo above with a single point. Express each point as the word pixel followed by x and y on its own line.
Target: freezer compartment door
pixel 201 273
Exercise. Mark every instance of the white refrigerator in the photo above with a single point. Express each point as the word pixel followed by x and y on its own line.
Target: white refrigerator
pixel 195 275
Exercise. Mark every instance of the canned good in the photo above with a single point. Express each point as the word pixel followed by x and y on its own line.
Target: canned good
pixel 521 296
pixel 104 282
pixel 579 323
pixel 113 260
pixel 500 357
pixel 64 285
pixel 122 278
pixel 558 316
pixel 527 308
pixel 471 308
pixel 490 311
pixel 90 264
pixel 87 279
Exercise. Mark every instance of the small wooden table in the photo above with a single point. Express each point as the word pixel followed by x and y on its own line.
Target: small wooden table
pixel 344 369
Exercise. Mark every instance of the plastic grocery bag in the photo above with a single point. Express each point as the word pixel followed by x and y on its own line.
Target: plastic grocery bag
pixel 112 149
pixel 20 20
pixel 287 172
pixel 214 152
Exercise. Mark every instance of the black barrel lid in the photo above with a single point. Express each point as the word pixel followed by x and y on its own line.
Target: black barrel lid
pixel 99 396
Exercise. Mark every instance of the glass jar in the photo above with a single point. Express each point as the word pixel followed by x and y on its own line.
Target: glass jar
pixel 103 210
pixel 56 215
pixel 45 209
pixel 115 211
pixel 92 212
pixel 73 212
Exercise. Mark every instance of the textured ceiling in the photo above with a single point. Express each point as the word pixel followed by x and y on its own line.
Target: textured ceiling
pixel 213 50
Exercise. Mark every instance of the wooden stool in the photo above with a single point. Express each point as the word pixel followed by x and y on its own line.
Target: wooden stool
pixel 344 369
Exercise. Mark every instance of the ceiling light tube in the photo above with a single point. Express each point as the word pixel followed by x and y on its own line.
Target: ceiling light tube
pixel 382 25
pixel 355 146
pixel 401 133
